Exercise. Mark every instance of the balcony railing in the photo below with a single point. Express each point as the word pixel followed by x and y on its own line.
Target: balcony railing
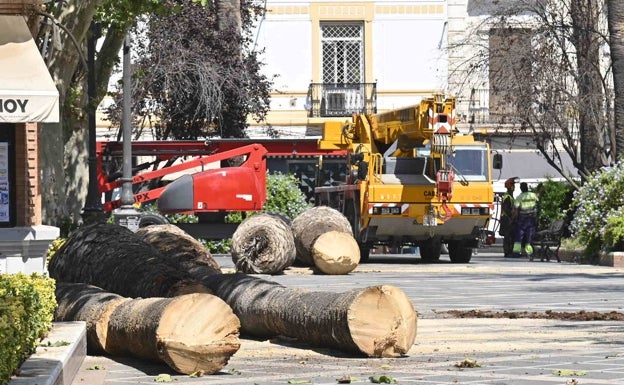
pixel 341 99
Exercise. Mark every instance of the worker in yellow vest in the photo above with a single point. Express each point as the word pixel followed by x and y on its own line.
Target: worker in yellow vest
pixel 525 211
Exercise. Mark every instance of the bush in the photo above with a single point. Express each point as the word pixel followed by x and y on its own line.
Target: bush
pixel 554 199
pixel 284 195
pixel 27 306
pixel 598 222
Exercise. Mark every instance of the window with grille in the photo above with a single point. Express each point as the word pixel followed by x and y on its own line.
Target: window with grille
pixel 342 52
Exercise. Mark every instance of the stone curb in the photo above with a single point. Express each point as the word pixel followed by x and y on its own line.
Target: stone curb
pixel 55 365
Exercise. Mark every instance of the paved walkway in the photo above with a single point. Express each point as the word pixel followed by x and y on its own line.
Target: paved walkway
pixel 506 351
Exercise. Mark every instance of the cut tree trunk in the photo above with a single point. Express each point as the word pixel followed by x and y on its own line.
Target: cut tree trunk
pixel 113 258
pixel 263 244
pixel 377 321
pixel 91 304
pixel 335 252
pixel 313 222
pixel 190 333
pixel 189 253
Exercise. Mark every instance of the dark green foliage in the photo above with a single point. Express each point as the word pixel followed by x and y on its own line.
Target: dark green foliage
pixel 284 195
pixel 195 78
pixel 554 199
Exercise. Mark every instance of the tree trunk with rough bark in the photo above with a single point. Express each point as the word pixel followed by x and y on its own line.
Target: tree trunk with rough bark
pixel 91 304
pixel 377 321
pixel 115 259
pixel 311 224
pixel 190 333
pixel 186 251
pixel 263 244
pixel 616 48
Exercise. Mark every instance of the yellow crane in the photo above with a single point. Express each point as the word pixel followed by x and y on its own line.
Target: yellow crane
pixel 413 180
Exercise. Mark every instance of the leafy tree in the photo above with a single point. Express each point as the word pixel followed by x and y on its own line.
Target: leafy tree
pixel 195 75
pixel 63 42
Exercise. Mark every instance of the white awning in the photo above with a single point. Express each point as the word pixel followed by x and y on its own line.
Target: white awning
pixel 27 91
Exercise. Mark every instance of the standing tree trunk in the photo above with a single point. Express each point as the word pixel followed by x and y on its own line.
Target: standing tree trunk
pixel 616 47
pixel 190 333
pixel 313 222
pixel 113 258
pixel 186 251
pixel 263 244
pixel 378 321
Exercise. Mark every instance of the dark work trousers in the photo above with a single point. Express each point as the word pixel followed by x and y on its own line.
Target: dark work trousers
pixel 525 229
pixel 508 239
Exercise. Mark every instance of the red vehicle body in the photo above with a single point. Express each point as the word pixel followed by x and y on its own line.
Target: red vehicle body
pixel 236 183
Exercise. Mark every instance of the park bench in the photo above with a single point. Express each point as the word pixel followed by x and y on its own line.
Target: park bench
pixel 547 242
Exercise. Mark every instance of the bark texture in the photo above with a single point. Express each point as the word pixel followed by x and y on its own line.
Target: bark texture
pixel 335 252
pixel 378 321
pixel 190 333
pixel 313 222
pixel 113 258
pixel 91 304
pixel 263 244
pixel 187 252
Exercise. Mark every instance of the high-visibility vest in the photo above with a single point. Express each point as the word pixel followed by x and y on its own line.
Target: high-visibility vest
pixel 507 205
pixel 526 204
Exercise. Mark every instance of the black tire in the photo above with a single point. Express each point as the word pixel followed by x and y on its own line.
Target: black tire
pixel 459 253
pixel 149 219
pixel 364 253
pixel 430 250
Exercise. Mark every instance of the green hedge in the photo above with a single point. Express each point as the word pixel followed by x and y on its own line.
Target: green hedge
pixel 27 305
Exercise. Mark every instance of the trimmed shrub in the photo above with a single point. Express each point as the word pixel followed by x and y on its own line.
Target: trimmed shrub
pixel 27 306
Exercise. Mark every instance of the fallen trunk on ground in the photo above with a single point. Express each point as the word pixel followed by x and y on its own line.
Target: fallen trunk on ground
pixel 341 257
pixel 91 304
pixel 190 333
pixel 186 251
pixel 377 321
pixel 114 258
pixel 335 252
pixel 263 244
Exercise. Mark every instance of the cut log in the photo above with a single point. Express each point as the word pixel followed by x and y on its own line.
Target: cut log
pixel 313 222
pixel 263 244
pixel 113 258
pixel 190 333
pixel 377 321
pixel 91 304
pixel 189 253
pixel 335 252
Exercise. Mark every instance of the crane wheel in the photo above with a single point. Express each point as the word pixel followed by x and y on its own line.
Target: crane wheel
pixel 149 219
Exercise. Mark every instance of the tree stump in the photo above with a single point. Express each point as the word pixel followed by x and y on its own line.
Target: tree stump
pixel 378 321
pixel 113 258
pixel 263 244
pixel 190 333
pixel 335 252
